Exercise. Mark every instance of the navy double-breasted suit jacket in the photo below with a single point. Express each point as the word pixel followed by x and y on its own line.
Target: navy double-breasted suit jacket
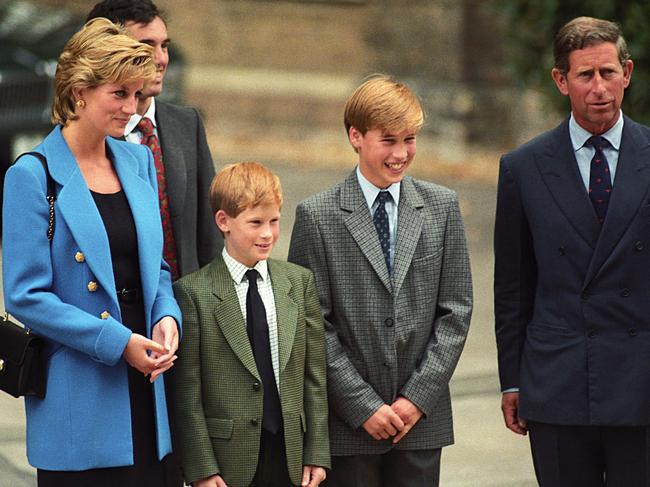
pixel 572 298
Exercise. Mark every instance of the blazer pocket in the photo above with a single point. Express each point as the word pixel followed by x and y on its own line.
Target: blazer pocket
pixel 428 260
pixel 219 428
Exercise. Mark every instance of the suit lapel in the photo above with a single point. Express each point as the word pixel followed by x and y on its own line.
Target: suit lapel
pixel 360 225
pixel 77 208
pixel 409 228
pixel 286 312
pixel 559 170
pixel 173 160
pixel 229 316
pixel 630 186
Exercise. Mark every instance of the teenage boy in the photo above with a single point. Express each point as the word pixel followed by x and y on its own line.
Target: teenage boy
pixel 393 276
pixel 177 139
pixel 250 390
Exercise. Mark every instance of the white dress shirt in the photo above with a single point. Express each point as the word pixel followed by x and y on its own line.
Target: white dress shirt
pixel 131 132
pixel 238 273
pixel 370 192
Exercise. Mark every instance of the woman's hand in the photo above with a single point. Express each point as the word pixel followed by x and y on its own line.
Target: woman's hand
pixel 165 333
pixel 136 354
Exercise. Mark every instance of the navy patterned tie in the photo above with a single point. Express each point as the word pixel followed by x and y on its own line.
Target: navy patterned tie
pixel 380 218
pixel 258 333
pixel 600 181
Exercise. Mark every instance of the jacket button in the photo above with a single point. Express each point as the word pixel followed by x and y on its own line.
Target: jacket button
pixel 254 422
pixel 256 386
pixel 625 292
pixel 638 245
pixel 591 334
pixel 584 295
pixel 561 250
pixel 80 257
pixel 389 322
pixel 92 286
pixel 104 315
pixel 632 332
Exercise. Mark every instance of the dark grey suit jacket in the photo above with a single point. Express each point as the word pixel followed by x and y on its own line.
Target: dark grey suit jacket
pixel 572 298
pixel 189 171
pixel 388 337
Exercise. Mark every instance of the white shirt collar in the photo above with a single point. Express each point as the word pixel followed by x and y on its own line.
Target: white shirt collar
pixel 370 191
pixel 579 135
pixel 238 270
pixel 135 118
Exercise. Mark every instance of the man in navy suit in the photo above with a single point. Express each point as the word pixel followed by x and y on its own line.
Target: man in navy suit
pixel 572 275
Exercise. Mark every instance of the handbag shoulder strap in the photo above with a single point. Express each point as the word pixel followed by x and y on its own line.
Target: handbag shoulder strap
pixel 51 192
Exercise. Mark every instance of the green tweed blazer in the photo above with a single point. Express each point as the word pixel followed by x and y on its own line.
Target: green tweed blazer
pixel 215 386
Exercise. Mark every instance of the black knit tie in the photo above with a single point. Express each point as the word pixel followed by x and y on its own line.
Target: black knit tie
pixel 258 334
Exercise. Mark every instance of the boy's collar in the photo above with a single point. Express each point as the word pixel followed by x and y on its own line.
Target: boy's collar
pixel 370 191
pixel 238 270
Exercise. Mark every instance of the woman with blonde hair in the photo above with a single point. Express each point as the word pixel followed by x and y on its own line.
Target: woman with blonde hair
pixel 99 292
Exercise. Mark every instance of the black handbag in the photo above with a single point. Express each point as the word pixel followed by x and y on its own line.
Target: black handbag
pixel 22 366
pixel 22 371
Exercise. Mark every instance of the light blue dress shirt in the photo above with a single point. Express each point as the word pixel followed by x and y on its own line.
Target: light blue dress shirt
pixel 584 153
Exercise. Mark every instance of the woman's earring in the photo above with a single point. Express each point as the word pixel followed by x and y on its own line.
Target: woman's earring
pixel 80 104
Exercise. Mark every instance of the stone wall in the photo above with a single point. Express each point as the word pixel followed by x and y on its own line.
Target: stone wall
pixel 281 70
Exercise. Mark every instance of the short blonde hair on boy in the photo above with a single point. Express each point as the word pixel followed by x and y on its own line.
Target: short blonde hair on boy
pixel 101 52
pixel 382 102
pixel 243 185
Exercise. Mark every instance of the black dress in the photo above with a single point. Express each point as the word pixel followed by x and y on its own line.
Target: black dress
pixel 147 469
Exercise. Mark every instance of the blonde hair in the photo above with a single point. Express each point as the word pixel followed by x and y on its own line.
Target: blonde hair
pixel 243 185
pixel 382 102
pixel 101 52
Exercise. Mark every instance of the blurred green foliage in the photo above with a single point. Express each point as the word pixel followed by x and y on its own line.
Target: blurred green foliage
pixel 530 26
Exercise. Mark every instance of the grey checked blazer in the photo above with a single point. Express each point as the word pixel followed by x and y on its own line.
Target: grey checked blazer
pixel 189 172
pixel 388 337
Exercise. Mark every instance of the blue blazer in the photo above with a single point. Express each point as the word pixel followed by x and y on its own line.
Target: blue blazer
pixel 85 419
pixel 572 298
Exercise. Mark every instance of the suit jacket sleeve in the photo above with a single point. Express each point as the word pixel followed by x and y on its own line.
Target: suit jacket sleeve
pixel 353 399
pixel 316 441
pixel 208 239
pixel 197 455
pixel 28 275
pixel 452 318
pixel 515 274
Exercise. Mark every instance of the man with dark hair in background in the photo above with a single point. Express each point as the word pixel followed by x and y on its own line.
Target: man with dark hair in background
pixel 177 139
pixel 572 293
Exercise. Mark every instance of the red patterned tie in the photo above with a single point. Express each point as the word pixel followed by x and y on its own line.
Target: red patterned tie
pixel 150 140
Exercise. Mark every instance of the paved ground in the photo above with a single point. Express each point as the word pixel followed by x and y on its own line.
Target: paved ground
pixel 485 453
